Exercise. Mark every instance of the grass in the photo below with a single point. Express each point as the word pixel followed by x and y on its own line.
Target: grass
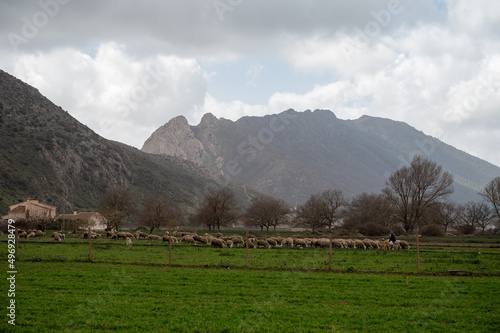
pixel 209 290
pixel 71 297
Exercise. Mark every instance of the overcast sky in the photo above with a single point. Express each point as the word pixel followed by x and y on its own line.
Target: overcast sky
pixel 124 67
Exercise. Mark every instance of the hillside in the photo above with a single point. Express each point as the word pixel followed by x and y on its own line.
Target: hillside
pixel 295 154
pixel 48 155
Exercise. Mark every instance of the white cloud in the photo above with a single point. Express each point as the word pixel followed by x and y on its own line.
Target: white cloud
pixel 119 97
pixel 125 68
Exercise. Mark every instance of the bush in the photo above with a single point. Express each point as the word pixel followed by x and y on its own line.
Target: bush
pixel 432 230
pixel 466 229
pixel 373 229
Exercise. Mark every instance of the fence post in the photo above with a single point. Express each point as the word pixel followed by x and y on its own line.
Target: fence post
pixel 330 261
pixel 246 245
pixel 89 235
pixel 170 246
pixel 418 257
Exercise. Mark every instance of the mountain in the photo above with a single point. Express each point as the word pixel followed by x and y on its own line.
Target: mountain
pixel 48 155
pixel 292 155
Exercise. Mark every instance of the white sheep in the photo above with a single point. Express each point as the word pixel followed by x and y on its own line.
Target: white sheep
pixel 154 237
pixel 217 242
pixel 129 242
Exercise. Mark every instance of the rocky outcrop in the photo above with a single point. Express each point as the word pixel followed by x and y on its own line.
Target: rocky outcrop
pixel 176 138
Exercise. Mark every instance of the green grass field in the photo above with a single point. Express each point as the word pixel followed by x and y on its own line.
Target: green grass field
pixel 284 290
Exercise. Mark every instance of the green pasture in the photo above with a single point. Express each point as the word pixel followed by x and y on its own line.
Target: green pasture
pixel 90 297
pixel 284 290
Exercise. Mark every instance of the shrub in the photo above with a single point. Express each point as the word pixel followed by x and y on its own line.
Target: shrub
pixel 466 229
pixel 432 230
pixel 373 229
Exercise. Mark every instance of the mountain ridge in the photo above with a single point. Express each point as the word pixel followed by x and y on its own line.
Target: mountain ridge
pixel 292 155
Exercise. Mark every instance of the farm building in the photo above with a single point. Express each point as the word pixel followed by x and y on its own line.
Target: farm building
pixel 31 209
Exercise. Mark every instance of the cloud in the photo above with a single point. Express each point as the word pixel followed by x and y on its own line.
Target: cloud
pixel 120 97
pixel 125 68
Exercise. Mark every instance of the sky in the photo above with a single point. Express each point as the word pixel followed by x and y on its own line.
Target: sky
pixel 125 68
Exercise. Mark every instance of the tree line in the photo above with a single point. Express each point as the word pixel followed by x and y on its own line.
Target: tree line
pixel 415 197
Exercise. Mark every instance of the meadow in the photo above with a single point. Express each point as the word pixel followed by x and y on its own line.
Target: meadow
pixel 283 290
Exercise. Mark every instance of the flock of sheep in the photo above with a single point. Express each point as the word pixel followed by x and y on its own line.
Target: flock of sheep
pixel 223 241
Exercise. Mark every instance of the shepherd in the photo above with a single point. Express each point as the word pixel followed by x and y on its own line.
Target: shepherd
pixel 392 240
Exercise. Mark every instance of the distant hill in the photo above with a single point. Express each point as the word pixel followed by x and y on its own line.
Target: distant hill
pixel 295 154
pixel 48 155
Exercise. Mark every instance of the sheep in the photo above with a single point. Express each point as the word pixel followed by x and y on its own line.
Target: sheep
pixel 129 235
pixel 350 243
pixel 299 242
pixel 216 242
pixel 188 239
pixel 229 243
pixel 56 237
pixel 385 245
pixel 121 234
pixel 199 239
pixel 359 244
pixel 154 237
pixel 109 234
pixel 287 241
pixel 323 242
pixel 403 244
pixel 250 244
pixel 129 242
pixel 22 234
pixel 218 235
pixel 263 243
pixel 344 243
pixel 114 236
pixel 272 242
pixel 237 240
pixel 337 244
pixel 166 238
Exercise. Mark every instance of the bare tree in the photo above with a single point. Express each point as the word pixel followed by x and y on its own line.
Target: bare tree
pixel 447 215
pixel 413 189
pixel 309 214
pixel 158 212
pixel 115 205
pixel 474 215
pixel 267 212
pixel 330 203
pixel 368 208
pixel 219 208
pixel 491 193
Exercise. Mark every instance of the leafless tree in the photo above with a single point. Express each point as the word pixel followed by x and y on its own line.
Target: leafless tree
pixel 115 205
pixel 330 203
pixel 447 214
pixel 474 215
pixel 219 208
pixel 414 188
pixel 267 212
pixel 368 208
pixel 309 214
pixel 491 193
pixel 159 211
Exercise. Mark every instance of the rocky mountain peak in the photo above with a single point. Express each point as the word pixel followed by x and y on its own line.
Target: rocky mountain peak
pixel 208 119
